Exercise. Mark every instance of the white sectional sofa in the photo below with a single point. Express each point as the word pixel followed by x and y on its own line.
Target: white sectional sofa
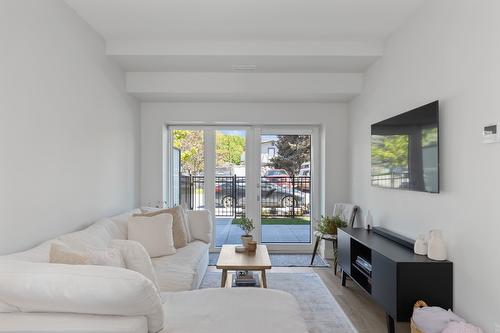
pixel 36 296
pixel 179 272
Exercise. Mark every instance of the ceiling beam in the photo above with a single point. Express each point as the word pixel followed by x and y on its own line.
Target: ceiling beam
pixel 259 47
pixel 178 86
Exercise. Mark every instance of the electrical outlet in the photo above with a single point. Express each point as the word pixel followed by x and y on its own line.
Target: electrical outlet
pixel 497 328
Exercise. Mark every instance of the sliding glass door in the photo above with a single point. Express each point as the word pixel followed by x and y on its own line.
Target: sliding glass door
pixel 285 186
pixel 188 167
pixel 266 174
pixel 230 184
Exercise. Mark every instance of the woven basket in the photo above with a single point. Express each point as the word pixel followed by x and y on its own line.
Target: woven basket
pixel 418 305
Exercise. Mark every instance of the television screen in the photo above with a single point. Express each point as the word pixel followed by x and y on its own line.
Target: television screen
pixel 405 150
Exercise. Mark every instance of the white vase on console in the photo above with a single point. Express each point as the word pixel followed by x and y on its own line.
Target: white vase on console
pixel 420 246
pixel 436 248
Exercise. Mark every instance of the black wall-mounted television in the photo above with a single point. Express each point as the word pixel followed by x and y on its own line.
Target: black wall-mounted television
pixel 405 150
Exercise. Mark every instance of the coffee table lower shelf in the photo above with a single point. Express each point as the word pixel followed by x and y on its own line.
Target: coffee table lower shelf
pixel 227 281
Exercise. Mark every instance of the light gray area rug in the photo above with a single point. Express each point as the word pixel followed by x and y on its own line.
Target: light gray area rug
pixel 284 260
pixel 320 310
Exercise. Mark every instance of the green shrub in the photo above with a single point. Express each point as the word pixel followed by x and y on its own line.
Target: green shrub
pixel 329 224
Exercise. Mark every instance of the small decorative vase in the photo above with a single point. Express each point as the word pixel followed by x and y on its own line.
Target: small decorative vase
pixel 420 246
pixel 436 248
pixel 245 239
pixel 251 246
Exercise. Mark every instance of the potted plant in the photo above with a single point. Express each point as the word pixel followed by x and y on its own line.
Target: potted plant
pixel 328 225
pixel 247 226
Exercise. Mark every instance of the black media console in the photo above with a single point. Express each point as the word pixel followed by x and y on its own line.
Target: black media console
pixel 392 274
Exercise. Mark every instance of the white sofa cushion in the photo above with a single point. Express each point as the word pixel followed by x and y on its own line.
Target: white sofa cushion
pixel 136 258
pixel 39 253
pixel 41 287
pixel 71 323
pixel 178 224
pixel 200 225
pixel 154 233
pixel 121 221
pixel 109 256
pixel 221 310
pixel 97 235
pixel 186 223
pixel 181 271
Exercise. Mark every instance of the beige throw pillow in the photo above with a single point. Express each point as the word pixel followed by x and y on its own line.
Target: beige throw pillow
pixel 62 254
pixel 179 232
pixel 154 233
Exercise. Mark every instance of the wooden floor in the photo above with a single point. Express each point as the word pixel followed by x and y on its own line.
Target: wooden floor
pixel 365 315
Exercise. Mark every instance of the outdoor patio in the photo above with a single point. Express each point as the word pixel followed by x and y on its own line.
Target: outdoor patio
pixel 228 233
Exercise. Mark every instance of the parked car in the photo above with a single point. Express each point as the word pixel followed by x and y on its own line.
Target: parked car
pixel 272 195
pixel 278 176
pixel 303 180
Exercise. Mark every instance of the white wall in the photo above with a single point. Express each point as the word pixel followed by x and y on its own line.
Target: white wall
pixel 332 117
pixel 448 51
pixel 69 135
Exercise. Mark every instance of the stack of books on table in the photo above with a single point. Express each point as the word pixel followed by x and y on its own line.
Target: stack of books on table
pixel 245 279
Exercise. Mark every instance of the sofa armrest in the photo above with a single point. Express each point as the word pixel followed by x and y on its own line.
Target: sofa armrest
pixel 85 289
pixel 200 225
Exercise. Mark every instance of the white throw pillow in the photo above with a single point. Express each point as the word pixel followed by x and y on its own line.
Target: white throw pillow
pixel 178 225
pixel 200 224
pixel 154 233
pixel 136 258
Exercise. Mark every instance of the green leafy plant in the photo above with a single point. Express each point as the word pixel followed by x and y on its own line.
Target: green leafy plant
pixel 330 224
pixel 245 224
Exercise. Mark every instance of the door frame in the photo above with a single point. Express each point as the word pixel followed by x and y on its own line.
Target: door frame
pixel 252 173
pixel 315 192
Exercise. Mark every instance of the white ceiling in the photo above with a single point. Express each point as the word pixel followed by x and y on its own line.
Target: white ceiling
pixel 244 19
pixel 278 36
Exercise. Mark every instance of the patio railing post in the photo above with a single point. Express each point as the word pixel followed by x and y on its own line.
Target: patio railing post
pixel 293 196
pixel 234 196
pixel 190 189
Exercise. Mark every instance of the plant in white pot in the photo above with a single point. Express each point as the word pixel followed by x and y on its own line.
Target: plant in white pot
pixel 247 226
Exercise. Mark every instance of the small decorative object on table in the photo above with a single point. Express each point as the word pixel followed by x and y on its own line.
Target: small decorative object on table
pixel 436 247
pixel 368 220
pixel 420 246
pixel 247 226
pixel 252 246
pixel 240 249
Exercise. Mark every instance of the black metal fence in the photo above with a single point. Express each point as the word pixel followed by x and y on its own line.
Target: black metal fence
pixel 279 196
pixel 391 180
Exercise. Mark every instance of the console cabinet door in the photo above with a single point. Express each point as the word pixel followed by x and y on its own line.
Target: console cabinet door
pixel 344 251
pixel 384 282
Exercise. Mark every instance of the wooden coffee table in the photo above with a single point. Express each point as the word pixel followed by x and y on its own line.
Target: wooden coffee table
pixel 230 260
